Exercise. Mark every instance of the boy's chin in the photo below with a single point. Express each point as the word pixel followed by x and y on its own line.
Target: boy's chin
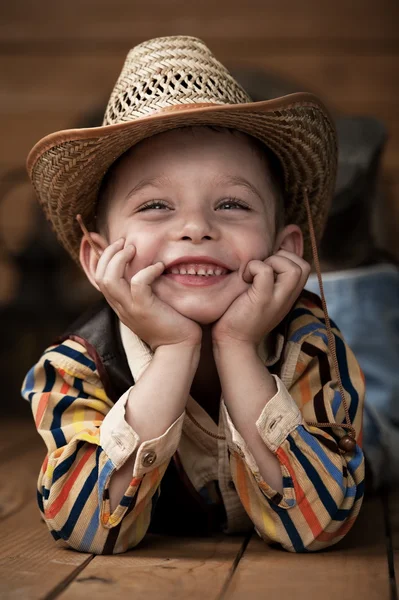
pixel 202 316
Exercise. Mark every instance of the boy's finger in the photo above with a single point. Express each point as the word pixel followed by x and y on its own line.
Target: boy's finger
pixel 294 258
pixel 252 269
pixel 116 267
pixel 106 256
pixel 148 275
pixel 291 276
pixel 259 274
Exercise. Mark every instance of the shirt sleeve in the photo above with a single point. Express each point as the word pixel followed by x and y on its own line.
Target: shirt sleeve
pixel 87 439
pixel 322 486
pixel 119 440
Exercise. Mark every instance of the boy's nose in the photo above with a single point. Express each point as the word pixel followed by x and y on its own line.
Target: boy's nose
pixel 197 229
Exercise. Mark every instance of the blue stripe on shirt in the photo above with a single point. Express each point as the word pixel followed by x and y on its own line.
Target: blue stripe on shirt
pixel 90 532
pixel 290 528
pixel 79 503
pixel 50 376
pixel 345 377
pixel 102 479
pixel 306 330
pixel 355 461
pixel 67 463
pixel 75 355
pixel 315 478
pixel 299 312
pixel 335 473
pixel 27 390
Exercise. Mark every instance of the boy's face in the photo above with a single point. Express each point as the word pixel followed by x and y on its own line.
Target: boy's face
pixel 194 193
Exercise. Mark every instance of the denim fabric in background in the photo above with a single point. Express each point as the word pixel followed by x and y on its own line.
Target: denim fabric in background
pixel 364 303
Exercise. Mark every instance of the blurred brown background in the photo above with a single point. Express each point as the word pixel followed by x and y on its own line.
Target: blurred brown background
pixel 59 62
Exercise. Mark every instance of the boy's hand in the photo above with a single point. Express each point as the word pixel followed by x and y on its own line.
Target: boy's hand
pixel 154 321
pixel 276 283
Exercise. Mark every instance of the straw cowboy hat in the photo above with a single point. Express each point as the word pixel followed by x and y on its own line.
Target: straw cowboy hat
pixel 173 82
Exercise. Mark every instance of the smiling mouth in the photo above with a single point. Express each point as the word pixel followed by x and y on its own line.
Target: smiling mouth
pixel 197 270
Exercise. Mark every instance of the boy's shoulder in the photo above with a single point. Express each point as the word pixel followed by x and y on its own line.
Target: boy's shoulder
pixel 72 351
pixel 306 319
pixel 70 356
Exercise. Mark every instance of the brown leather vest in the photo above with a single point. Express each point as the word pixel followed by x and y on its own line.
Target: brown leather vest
pixel 180 510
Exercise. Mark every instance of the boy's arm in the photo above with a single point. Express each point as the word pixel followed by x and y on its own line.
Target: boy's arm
pixel 153 405
pixel 244 376
pixel 322 489
pixel 70 409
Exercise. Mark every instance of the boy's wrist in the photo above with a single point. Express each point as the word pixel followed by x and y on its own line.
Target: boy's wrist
pixel 188 348
pixel 234 347
pixel 186 356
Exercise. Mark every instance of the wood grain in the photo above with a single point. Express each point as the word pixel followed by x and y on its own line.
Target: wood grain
pixel 42 94
pixel 355 568
pixel 32 564
pixel 393 504
pixel 16 437
pixel 98 21
pixel 349 82
pixel 159 569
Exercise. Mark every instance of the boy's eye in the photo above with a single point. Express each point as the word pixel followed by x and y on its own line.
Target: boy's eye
pixel 153 204
pixel 233 203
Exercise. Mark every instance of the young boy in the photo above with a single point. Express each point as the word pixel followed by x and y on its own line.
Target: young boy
pixel 208 392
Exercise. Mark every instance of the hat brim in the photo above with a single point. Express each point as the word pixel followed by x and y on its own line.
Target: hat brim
pixel 67 167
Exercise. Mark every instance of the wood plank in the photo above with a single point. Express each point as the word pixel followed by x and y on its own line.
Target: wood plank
pixel 393 507
pixel 91 20
pixel 19 474
pixel 32 564
pixel 42 94
pixel 32 83
pixel 357 567
pixel 16 435
pixel 160 568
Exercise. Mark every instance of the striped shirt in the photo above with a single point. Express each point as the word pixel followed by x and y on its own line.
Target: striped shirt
pixel 87 439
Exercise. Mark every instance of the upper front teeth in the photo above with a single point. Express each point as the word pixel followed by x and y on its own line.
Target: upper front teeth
pixel 192 270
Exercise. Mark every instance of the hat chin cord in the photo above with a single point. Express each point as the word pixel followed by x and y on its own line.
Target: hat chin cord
pixel 348 442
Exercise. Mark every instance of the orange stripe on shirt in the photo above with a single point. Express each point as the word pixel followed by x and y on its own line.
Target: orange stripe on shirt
pixel 59 501
pixel 302 501
pixel 44 465
pixel 306 392
pixel 242 488
pixel 41 408
pixel 326 536
pixel 65 388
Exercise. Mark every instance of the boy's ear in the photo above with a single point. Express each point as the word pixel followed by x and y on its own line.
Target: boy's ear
pixel 87 256
pixel 290 238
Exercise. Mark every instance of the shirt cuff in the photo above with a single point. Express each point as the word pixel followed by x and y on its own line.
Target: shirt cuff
pixel 277 420
pixel 119 440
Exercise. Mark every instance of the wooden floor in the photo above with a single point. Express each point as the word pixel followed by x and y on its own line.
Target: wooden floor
pixel 33 566
pixel 59 61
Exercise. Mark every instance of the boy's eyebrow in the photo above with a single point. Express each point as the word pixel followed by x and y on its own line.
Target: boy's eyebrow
pixel 227 179
pixel 154 181
pixel 241 181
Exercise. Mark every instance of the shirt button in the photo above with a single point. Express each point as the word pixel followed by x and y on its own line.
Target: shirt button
pixel 148 458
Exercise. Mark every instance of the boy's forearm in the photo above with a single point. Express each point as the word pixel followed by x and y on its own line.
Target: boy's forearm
pixel 247 386
pixel 155 402
pixel 160 396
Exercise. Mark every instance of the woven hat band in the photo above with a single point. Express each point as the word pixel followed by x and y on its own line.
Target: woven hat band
pixel 166 72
